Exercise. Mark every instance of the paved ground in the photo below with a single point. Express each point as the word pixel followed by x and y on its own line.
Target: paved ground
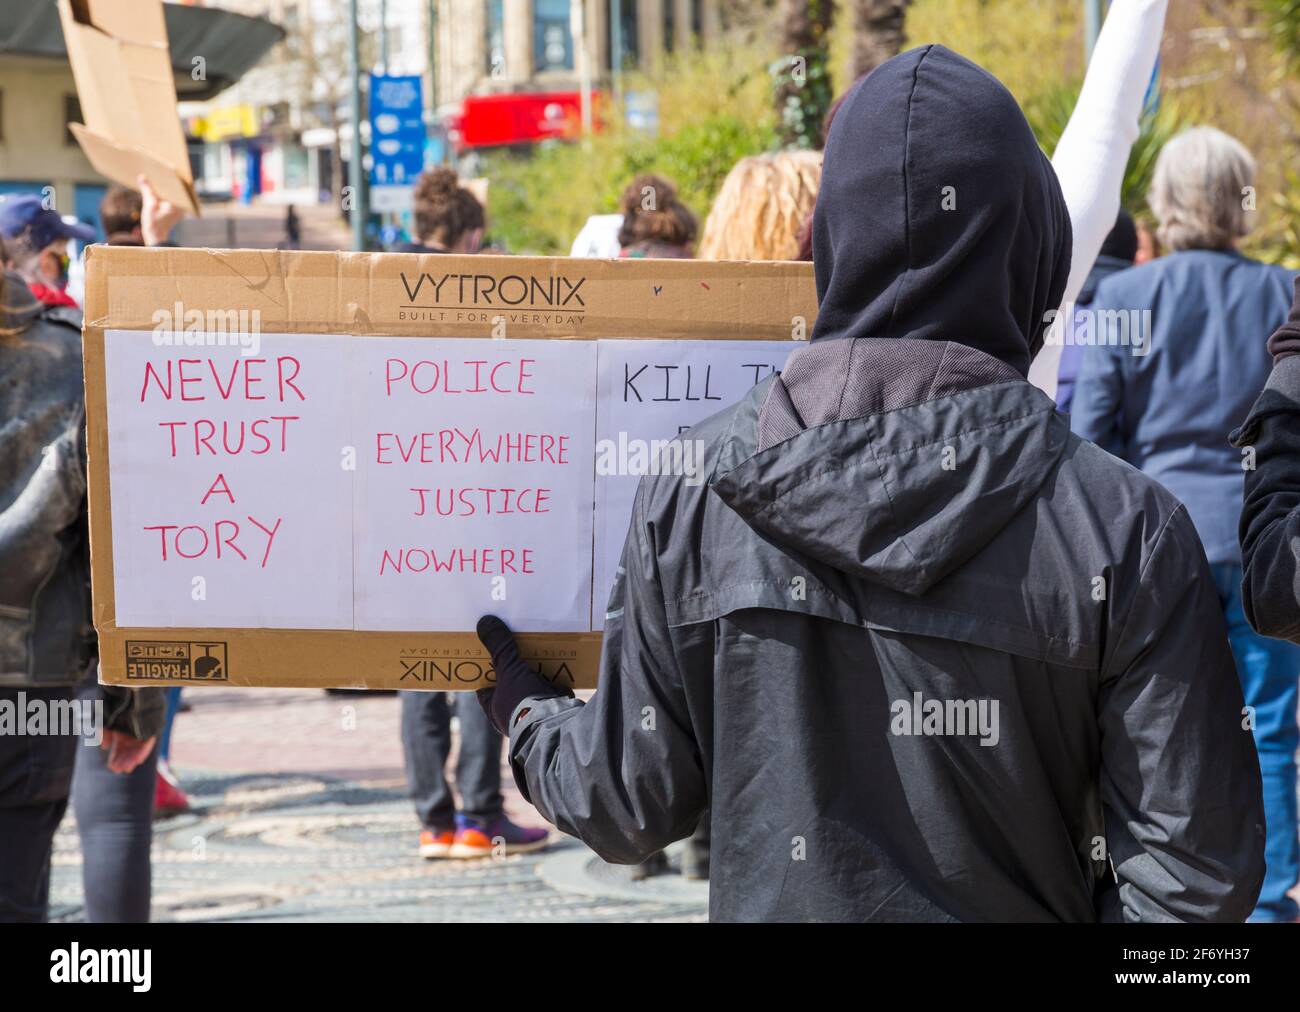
pixel 300 814
pixel 261 226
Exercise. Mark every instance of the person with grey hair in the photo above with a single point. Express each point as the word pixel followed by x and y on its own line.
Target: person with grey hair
pixel 1175 361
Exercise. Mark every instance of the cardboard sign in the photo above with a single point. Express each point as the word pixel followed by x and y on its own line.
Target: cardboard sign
pixel 650 392
pixel 322 469
pixel 121 63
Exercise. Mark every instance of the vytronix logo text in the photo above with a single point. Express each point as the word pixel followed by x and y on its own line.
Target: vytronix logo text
pixel 451 669
pixel 471 298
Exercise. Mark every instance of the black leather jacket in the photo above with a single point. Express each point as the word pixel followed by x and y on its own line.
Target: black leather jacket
pixel 47 637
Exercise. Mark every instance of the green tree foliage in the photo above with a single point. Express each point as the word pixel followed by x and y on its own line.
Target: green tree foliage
pixel 1049 111
pixel 714 109
pixel 801 76
pixel 1283 17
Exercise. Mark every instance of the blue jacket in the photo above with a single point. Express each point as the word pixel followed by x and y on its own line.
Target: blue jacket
pixel 1169 411
pixel 1072 354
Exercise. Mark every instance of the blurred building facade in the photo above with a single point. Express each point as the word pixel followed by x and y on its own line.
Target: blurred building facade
pixel 486 46
pixel 284 132
pixel 38 97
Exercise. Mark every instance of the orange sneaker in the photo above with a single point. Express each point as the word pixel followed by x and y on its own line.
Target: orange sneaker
pixel 435 844
pixel 473 839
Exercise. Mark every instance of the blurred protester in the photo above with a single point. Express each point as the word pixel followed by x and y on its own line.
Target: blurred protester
pixel 157 216
pixel 449 219
pixel 805 251
pixel 1177 363
pixel 446 830
pixel 138 217
pixel 36 240
pixel 598 237
pixel 169 796
pixel 154 790
pixel 49 651
pixel 1147 246
pixel 1269 442
pixel 1117 253
pixel 47 639
pixel 292 228
pixel 656 225
pixel 896 683
pixel 119 216
pixel 761 207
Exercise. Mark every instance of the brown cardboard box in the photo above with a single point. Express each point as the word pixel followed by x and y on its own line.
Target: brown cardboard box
pixel 122 65
pixel 370 295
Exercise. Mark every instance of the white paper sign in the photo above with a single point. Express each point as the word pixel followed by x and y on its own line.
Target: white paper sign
pixel 476 491
pixel 404 484
pixel 650 391
pixel 229 504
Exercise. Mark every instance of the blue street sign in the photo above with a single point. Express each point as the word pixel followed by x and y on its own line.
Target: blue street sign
pixel 397 139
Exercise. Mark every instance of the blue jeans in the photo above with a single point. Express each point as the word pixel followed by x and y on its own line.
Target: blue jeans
pixel 1269 670
pixel 164 749
pixel 115 821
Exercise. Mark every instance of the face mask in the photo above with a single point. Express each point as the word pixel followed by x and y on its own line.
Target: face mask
pixel 60 279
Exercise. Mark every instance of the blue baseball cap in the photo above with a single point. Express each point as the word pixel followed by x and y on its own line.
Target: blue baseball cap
pixel 26 213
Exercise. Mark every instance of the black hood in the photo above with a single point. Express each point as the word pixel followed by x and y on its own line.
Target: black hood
pixel 895 461
pixel 939 217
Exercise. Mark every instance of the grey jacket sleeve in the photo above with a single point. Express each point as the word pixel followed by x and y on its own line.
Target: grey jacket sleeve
pixel 623 772
pixel 1270 516
pixel 1180 782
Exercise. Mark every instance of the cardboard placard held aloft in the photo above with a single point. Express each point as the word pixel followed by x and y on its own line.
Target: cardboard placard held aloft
pixel 122 65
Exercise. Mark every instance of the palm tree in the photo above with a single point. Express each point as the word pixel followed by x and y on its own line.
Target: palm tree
pixel 877 33
pixel 802 76
pixel 1283 18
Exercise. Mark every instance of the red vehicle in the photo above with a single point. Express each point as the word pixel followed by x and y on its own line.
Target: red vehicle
pixel 522 118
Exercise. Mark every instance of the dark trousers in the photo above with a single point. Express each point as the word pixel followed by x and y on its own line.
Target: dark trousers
pixel 115 820
pixel 426 742
pixel 35 777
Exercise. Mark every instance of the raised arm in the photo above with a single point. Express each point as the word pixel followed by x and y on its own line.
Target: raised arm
pixel 1094 149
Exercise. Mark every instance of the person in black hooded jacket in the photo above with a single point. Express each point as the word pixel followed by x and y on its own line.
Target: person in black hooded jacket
pixel 925 654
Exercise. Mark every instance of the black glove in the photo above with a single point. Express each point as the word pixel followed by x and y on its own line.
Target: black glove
pixel 516 681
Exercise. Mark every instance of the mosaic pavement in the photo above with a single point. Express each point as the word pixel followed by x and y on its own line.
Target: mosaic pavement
pixel 310 845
